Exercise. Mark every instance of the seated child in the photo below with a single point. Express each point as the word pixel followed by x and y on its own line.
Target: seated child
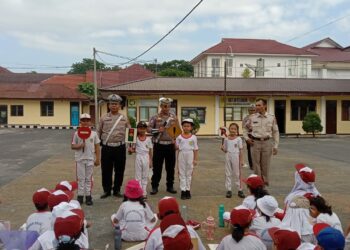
pixel 257 190
pixel 328 238
pixel 134 215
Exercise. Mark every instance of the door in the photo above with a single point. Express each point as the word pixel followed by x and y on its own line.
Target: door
pixel 331 117
pixel 280 113
pixel 3 114
pixel 92 114
pixel 74 113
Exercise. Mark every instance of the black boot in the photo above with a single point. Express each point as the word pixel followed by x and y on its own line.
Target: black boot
pixel 88 200
pixel 188 194
pixel 105 195
pixel 171 190
pixel 241 194
pixel 154 191
pixel 80 198
pixel 183 195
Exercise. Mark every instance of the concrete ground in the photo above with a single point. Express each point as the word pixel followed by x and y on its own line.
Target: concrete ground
pixel 46 159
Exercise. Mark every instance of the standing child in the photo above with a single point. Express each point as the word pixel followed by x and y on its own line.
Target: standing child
pixel 233 147
pixel 143 161
pixel 87 154
pixel 187 145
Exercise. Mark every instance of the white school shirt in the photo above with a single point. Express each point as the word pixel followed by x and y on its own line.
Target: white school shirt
pixel 133 220
pixel 187 144
pixel 248 242
pixel 249 202
pixel 155 242
pixel 89 150
pixel 233 145
pixel 332 220
pixel 259 224
pixel 143 147
pixel 39 222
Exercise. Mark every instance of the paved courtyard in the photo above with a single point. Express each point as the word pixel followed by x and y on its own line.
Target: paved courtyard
pixel 31 159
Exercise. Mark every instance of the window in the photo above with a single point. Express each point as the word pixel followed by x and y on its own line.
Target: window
pixel 260 67
pixel 292 67
pixel 301 107
pixel 16 110
pixel 147 112
pixel 193 112
pixel 345 110
pixel 303 68
pixel 229 67
pixel 203 68
pixel 215 65
pixel 46 108
pixel 236 113
pixel 132 112
pixel 278 64
pixel 173 107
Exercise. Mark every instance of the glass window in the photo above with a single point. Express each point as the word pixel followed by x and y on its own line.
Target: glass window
pixel 292 67
pixel 16 110
pixel 193 112
pixel 46 108
pixel 301 107
pixel 303 68
pixel 260 67
pixel 147 112
pixel 345 110
pixel 215 64
pixel 229 66
pixel 236 113
pixel 132 112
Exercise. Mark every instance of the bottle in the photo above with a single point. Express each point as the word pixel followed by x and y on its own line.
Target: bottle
pixel 117 238
pixel 184 212
pixel 221 215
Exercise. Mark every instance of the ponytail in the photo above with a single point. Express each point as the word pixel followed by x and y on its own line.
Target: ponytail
pixel 237 232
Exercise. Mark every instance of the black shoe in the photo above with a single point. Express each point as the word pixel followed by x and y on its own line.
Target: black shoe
pixel 188 194
pixel 88 200
pixel 105 195
pixel 154 191
pixel 228 194
pixel 118 194
pixel 183 195
pixel 241 194
pixel 171 190
pixel 80 198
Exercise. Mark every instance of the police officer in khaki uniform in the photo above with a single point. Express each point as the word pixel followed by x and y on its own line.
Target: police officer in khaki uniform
pixel 113 156
pixel 164 146
pixel 264 138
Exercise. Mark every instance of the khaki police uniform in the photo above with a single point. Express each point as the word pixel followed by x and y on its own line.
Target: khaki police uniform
pixel 113 154
pixel 265 134
pixel 163 149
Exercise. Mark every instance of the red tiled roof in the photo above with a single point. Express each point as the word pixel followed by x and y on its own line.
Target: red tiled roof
pixel 252 46
pixel 235 86
pixel 71 81
pixel 108 78
pixel 24 77
pixel 4 70
pixel 335 54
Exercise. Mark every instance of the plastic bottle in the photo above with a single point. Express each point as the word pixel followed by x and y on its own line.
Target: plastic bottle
pixel 117 238
pixel 184 212
pixel 221 215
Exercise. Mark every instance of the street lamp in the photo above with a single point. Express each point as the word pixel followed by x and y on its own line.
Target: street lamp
pixel 225 79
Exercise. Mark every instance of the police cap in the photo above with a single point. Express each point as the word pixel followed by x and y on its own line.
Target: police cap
pixel 114 98
pixel 165 100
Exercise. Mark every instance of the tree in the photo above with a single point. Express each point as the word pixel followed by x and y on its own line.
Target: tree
pixel 246 73
pixel 177 68
pixel 87 88
pixel 85 65
pixel 312 123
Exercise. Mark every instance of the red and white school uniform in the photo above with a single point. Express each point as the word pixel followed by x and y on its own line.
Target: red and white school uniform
pixel 39 222
pixel 155 242
pixel 248 242
pixel 186 147
pixel 232 167
pixel 142 161
pixel 332 220
pixel 85 162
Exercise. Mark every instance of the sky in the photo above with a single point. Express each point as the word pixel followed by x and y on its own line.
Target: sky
pixel 51 35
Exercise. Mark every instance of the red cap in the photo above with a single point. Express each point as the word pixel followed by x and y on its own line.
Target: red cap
pixel 317 228
pixel 254 181
pixel 305 172
pixel 59 196
pixel 41 196
pixel 67 186
pixel 167 205
pixel 133 189
pixel 284 239
pixel 174 233
pixel 68 224
pixel 242 216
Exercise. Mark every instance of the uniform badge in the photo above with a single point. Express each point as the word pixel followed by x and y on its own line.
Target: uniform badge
pixel 191 143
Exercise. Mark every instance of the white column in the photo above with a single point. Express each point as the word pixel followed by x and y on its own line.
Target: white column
pixel 323 114
pixel 217 114
pixel 270 106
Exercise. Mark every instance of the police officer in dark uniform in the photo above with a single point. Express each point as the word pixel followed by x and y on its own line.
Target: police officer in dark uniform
pixel 164 146
pixel 111 131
